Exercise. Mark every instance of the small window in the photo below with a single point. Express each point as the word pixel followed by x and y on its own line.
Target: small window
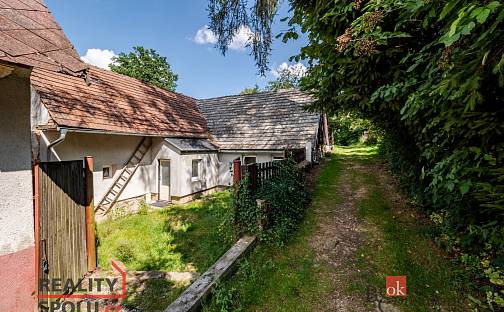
pixel 195 168
pixel 107 172
pixel 248 160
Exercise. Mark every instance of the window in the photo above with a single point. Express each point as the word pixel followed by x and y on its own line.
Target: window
pixel 277 158
pixel 195 168
pixel 248 160
pixel 107 172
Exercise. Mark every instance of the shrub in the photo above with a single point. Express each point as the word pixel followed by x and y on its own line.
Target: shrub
pixel 349 129
pixel 125 252
pixel 286 198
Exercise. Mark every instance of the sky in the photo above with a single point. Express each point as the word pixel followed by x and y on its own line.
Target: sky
pixel 175 29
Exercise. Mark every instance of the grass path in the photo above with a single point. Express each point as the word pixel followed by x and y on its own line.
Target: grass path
pixel 358 229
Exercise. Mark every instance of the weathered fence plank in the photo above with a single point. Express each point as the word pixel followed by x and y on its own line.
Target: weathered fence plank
pixel 192 297
pixel 61 235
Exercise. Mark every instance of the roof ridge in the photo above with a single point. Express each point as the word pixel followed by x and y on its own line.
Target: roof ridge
pixel 254 94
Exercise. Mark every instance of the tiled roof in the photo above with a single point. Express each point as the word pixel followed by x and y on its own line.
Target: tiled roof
pixel 267 120
pixel 117 103
pixel 29 35
pixel 192 145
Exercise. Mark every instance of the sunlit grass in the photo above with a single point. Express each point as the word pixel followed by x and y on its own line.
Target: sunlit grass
pixel 176 238
pixel 356 150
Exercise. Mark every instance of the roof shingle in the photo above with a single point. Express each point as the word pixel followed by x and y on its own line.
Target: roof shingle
pixel 268 120
pixel 29 35
pixel 117 103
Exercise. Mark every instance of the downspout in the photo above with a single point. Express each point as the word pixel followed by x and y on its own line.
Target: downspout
pixel 61 138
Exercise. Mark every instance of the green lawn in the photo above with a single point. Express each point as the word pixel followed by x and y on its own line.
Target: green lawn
pixel 176 238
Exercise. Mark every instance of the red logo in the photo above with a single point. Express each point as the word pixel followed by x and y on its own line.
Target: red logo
pixel 62 305
pixel 396 286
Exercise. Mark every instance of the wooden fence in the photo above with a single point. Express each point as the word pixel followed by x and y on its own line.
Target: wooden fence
pixel 258 173
pixel 64 229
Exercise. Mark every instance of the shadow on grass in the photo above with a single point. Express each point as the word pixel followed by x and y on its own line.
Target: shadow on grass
pixel 153 295
pixel 196 231
pixel 397 242
pixel 176 238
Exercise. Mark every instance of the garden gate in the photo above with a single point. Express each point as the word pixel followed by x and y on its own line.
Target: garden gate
pixel 64 228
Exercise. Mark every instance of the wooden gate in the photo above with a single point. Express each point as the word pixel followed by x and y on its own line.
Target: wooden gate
pixel 61 232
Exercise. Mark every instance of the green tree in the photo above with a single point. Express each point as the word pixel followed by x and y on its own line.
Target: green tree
pixel 431 75
pixel 287 78
pixel 146 65
pixel 253 90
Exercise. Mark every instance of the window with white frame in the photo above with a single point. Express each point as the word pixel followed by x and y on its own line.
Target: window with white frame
pixel 107 172
pixel 195 168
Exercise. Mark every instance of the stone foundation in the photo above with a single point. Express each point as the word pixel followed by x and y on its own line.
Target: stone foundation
pixel 194 196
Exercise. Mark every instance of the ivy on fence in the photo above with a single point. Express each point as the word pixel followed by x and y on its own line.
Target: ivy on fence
pixel 281 185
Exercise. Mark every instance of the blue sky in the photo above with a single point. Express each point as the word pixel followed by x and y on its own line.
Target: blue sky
pixel 170 28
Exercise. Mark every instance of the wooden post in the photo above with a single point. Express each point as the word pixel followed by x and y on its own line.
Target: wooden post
pixel 36 212
pixel 90 217
pixel 236 171
pixel 253 175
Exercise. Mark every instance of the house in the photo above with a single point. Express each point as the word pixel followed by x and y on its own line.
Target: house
pixel 261 127
pixel 139 135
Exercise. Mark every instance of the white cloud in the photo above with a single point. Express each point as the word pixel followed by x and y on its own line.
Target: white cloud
pixel 297 70
pixel 98 57
pixel 241 38
pixel 205 35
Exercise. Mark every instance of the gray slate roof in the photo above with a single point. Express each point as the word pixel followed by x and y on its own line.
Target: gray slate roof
pixel 192 144
pixel 272 120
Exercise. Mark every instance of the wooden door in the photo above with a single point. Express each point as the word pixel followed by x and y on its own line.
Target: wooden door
pixel 62 221
pixel 164 180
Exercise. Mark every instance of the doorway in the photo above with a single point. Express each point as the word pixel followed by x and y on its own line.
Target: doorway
pixel 164 180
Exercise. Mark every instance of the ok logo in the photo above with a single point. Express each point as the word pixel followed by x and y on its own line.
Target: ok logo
pixel 396 286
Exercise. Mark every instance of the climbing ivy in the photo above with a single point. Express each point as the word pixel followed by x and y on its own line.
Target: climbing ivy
pixel 285 198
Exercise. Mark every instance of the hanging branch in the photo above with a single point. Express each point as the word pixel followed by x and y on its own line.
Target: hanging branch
pixel 227 17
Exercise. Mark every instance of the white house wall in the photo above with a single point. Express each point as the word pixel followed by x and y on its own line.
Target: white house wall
pixel 181 182
pixel 16 204
pixel 227 158
pixel 17 239
pixel 115 150
pixel 107 150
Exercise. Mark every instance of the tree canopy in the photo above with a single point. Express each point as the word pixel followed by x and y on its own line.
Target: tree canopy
pixel 286 79
pixel 146 65
pixel 430 74
pixel 253 90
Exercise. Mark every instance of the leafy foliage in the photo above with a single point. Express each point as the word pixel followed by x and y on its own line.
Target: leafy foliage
pixel 285 197
pixel 253 90
pixel 347 129
pixel 429 73
pixel 146 65
pixel 287 79
pixel 227 17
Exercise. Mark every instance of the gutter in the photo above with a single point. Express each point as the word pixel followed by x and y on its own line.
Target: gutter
pixel 60 139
